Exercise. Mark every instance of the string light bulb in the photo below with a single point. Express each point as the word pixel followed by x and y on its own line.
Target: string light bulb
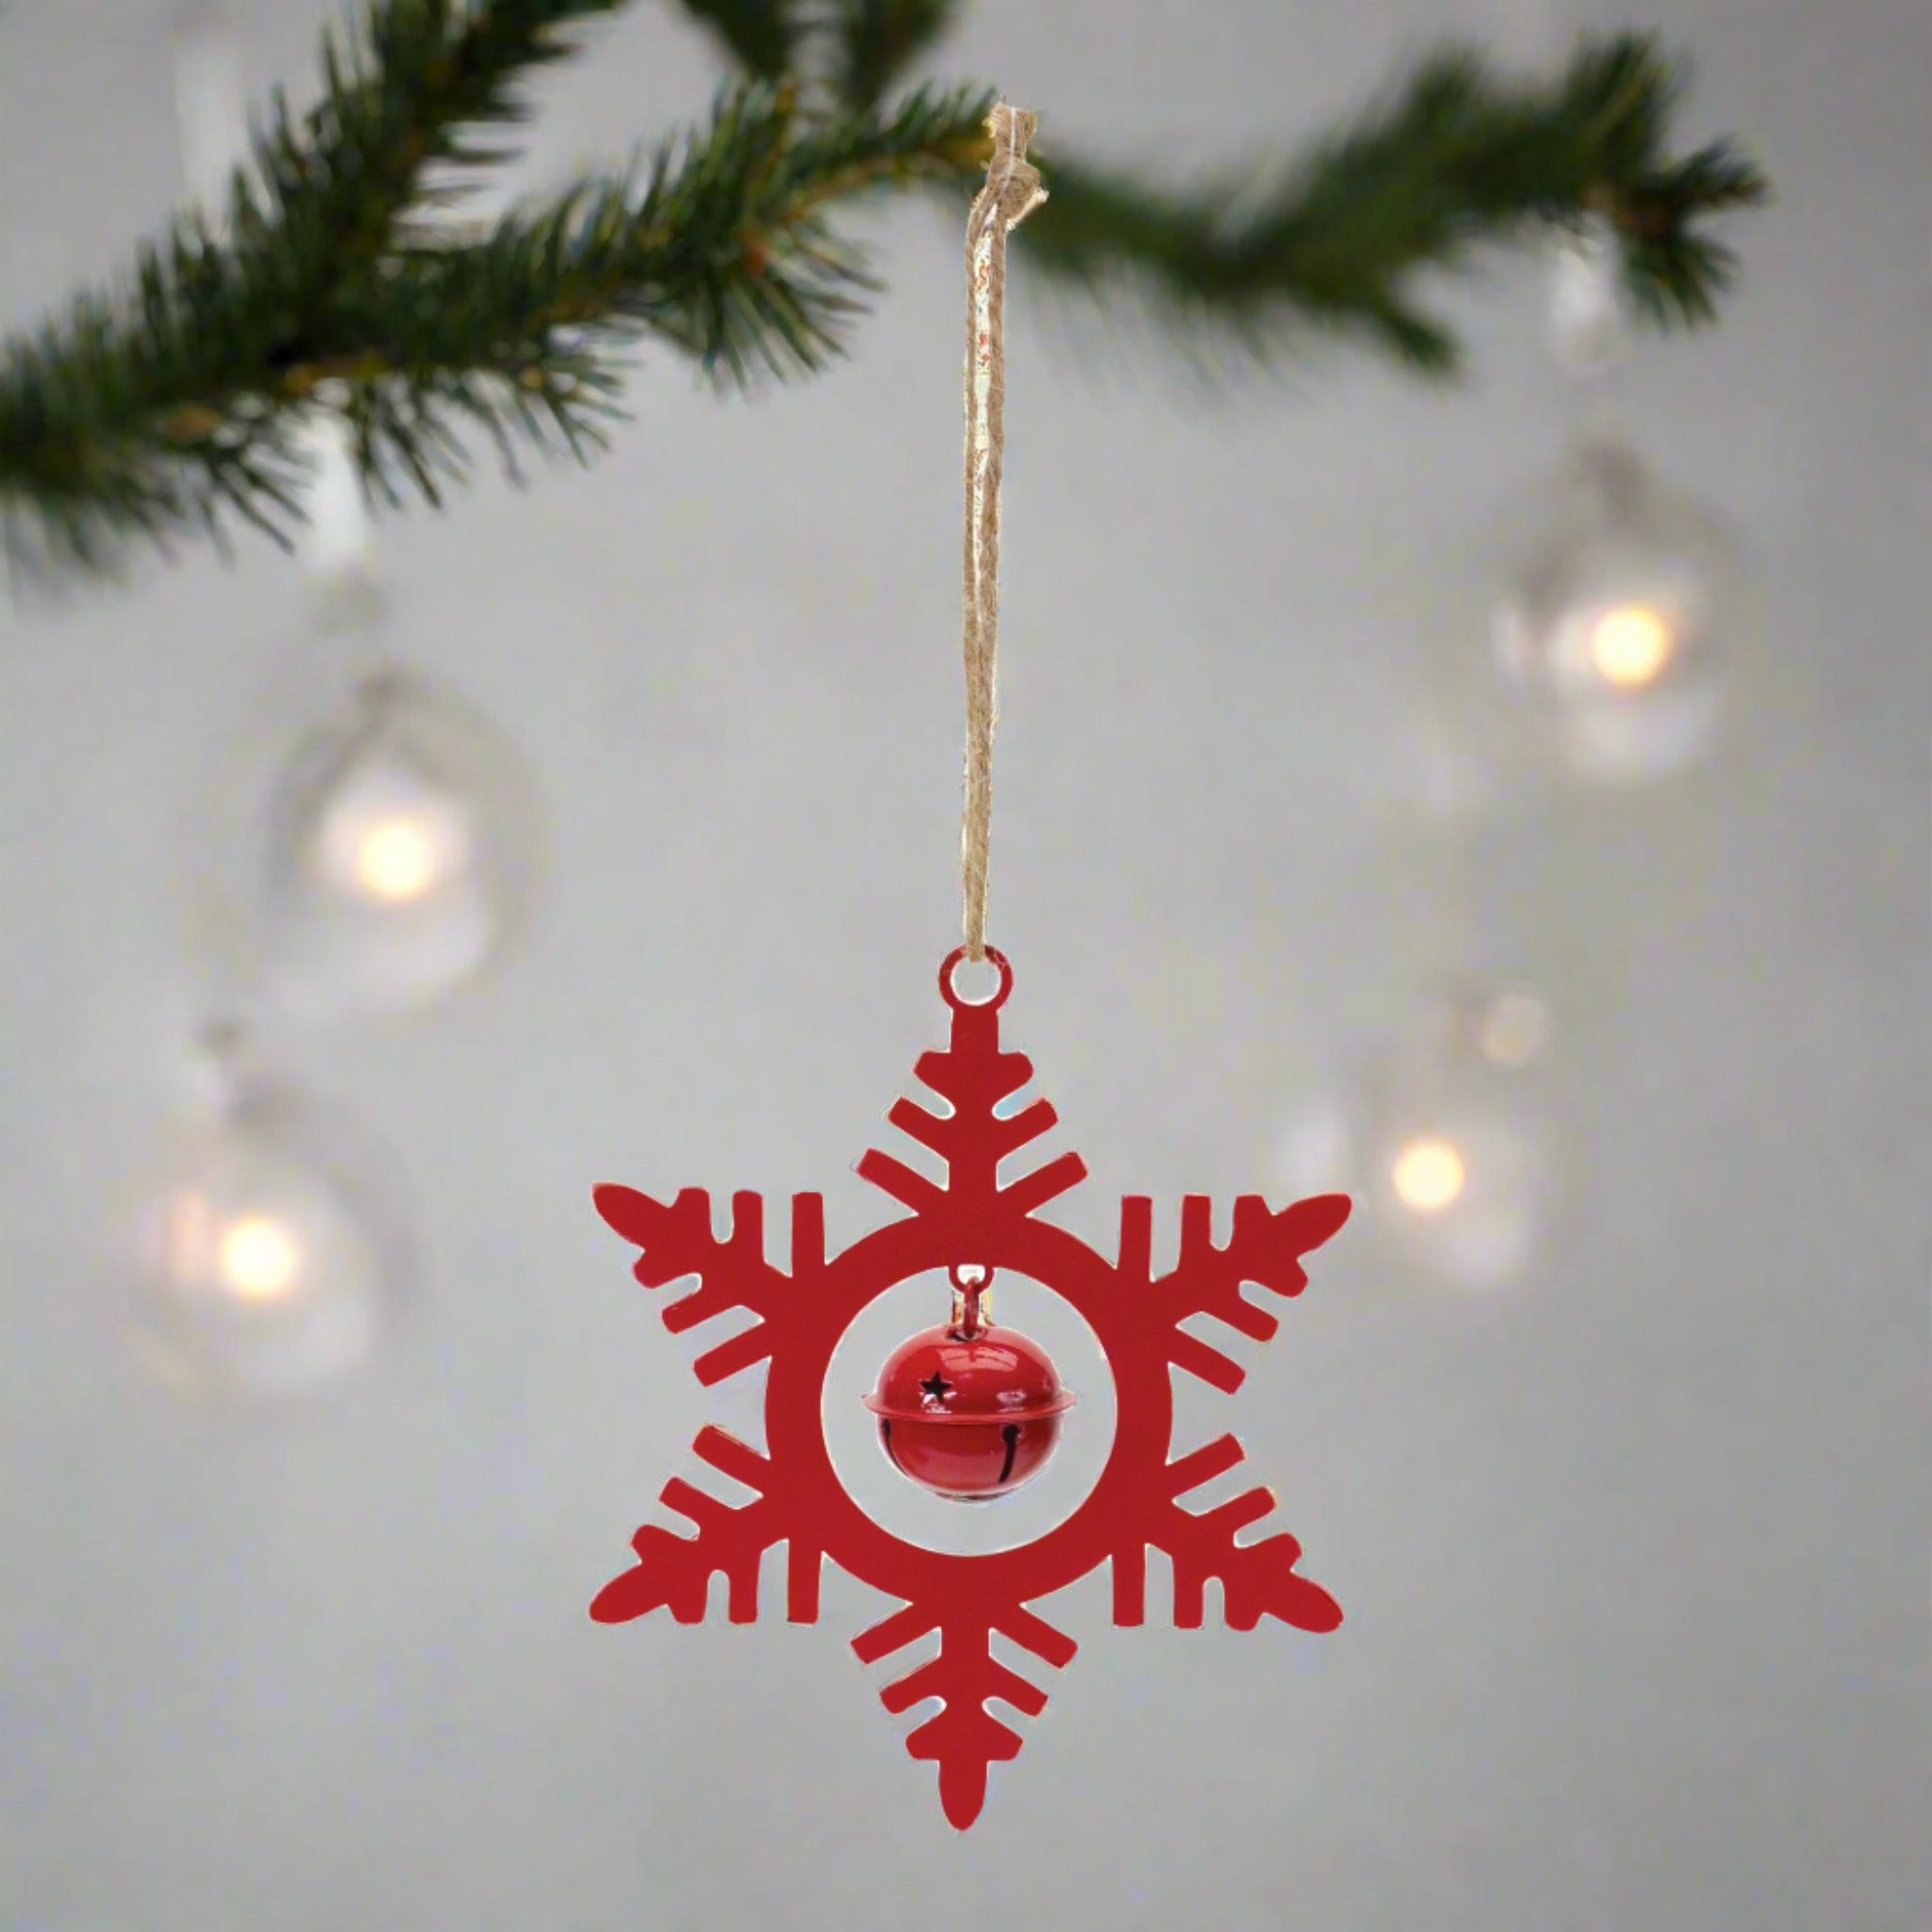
pixel 271 1243
pixel 1630 645
pixel 379 838
pixel 1621 608
pixel 1440 1141
pixel 392 839
pixel 1428 1173
pixel 1455 1186
pixel 260 1257
pixel 1618 619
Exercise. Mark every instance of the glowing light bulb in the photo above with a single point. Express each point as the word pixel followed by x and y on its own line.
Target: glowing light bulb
pixel 387 837
pixel 1439 1137
pixel 1428 1175
pixel 1616 622
pixel 272 1248
pixel 1630 645
pixel 259 1256
pixel 390 858
pixel 397 860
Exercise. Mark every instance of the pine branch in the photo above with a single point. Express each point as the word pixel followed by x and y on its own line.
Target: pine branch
pixel 170 404
pixel 155 409
pixel 720 250
pixel 1456 159
pixel 858 47
pixel 875 41
pixel 416 86
pixel 723 253
pixel 760 34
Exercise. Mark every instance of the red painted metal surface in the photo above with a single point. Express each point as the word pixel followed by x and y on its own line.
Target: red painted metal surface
pixel 972 1221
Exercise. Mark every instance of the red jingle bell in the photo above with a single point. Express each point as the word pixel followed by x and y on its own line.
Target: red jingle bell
pixel 968 1411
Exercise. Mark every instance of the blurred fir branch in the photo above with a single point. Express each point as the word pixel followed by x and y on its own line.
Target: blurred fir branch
pixel 874 41
pixel 173 403
pixel 1455 159
pixel 762 36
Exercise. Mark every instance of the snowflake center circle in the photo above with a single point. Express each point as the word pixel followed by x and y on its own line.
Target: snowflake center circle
pixel 875 1477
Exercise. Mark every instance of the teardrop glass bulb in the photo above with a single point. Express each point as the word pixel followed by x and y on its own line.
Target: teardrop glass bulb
pixel 1440 1143
pixel 391 857
pixel 272 1245
pixel 1618 621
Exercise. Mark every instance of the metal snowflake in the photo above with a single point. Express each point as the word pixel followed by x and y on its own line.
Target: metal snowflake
pixel 971 1219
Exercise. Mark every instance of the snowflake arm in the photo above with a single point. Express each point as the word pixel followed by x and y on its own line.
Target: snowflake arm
pixel 675 1571
pixel 963 1738
pixel 1257 1578
pixel 677 1240
pixel 973 1076
pixel 1266 1247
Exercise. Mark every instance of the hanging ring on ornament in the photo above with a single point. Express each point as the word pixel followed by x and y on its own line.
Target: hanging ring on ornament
pixel 972 1283
pixel 957 1000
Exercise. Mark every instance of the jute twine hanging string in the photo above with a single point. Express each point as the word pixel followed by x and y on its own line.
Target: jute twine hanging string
pixel 1011 193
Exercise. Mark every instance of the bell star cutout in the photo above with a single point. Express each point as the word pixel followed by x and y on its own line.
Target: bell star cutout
pixel 969 1227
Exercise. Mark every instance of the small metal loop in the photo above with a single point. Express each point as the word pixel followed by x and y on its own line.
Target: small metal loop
pixel 957 1001
pixel 971 1292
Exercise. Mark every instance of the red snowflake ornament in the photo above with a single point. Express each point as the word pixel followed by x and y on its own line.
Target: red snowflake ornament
pixel 973 1221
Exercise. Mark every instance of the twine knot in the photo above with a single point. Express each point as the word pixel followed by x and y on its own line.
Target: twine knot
pixel 1013 183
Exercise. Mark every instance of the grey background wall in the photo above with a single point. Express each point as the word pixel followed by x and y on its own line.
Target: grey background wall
pixel 1634 1556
